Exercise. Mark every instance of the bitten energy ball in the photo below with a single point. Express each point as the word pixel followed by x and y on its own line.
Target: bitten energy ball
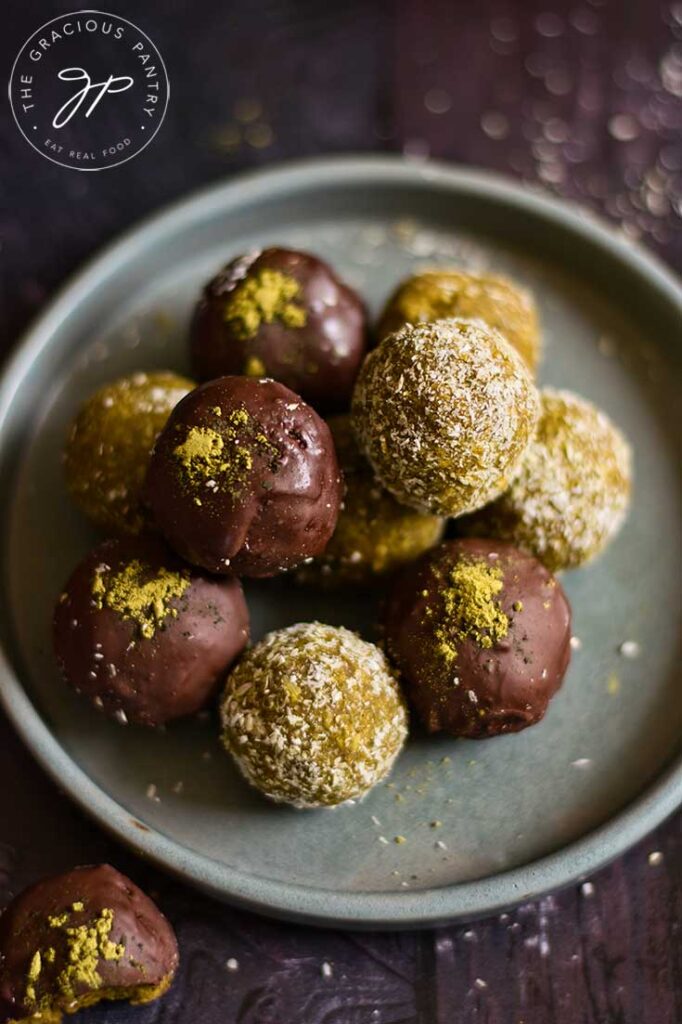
pixel 444 412
pixel 572 491
pixel 145 638
pixel 110 442
pixel 313 716
pixel 244 478
pixel 283 314
pixel 79 938
pixel 374 534
pixel 438 294
pixel 481 635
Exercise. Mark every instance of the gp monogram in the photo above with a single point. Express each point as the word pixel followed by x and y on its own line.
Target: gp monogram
pixel 89 90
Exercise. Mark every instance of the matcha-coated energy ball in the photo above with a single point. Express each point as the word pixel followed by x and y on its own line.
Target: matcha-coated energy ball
pixel 244 478
pixel 284 314
pixel 313 716
pixel 143 636
pixel 78 938
pixel 572 491
pixel 440 293
pixel 481 635
pixel 374 533
pixel 444 412
pixel 110 442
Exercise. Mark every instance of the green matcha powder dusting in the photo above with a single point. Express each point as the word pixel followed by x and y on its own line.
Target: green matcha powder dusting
pixel 220 460
pixel 140 593
pixel 264 297
pixel 86 944
pixel 204 458
pixel 470 609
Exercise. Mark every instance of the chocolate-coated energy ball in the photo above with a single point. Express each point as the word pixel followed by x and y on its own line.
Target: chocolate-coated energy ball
pixel 145 638
pixel 572 491
pixel 374 534
pixel 480 633
pixel 283 314
pixel 441 293
pixel 244 478
pixel 110 442
pixel 444 412
pixel 313 716
pixel 78 938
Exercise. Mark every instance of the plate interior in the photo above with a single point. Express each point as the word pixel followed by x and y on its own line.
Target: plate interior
pixel 501 803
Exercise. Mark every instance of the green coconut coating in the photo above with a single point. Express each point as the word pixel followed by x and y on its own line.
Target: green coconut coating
pixel 110 443
pixel 440 293
pixel 444 412
pixel 572 491
pixel 313 715
pixel 374 533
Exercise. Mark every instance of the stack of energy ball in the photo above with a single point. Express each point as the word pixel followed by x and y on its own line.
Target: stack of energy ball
pixel 439 424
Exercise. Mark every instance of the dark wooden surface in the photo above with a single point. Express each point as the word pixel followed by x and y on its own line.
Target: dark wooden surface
pixel 580 97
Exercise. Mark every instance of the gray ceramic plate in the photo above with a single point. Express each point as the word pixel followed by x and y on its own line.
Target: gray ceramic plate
pixel 520 814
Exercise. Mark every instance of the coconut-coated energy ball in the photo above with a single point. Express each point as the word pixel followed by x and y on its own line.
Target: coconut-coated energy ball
pixel 572 491
pixel 244 478
pixel 480 633
pixel 144 637
pixel 440 293
pixel 110 443
pixel 284 314
pixel 374 534
pixel 78 938
pixel 444 412
pixel 313 716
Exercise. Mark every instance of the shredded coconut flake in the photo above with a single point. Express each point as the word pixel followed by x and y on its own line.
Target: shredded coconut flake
pixel 572 490
pixel 313 715
pixel 444 412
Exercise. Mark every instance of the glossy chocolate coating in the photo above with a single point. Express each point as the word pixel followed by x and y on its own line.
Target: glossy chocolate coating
pixel 272 502
pixel 482 691
pixel 148 961
pixel 318 359
pixel 148 680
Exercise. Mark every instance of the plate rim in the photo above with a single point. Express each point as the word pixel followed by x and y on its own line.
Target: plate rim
pixel 418 908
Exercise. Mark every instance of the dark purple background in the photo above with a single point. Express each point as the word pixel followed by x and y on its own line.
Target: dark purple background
pixel 582 98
